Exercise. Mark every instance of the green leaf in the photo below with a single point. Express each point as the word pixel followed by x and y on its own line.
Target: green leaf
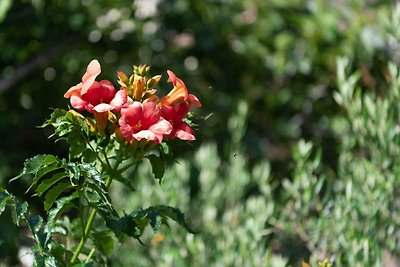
pixel 33 165
pixel 5 6
pixel 167 212
pixel 126 181
pixel 43 171
pixel 60 253
pixel 91 173
pixel 50 261
pixel 88 155
pixel 5 198
pixel 157 165
pixel 126 225
pixel 73 129
pixel 74 172
pixel 54 192
pixel 46 184
pixel 20 211
pixel 35 224
pixel 38 260
pixel 62 204
pixel 104 241
pixel 133 225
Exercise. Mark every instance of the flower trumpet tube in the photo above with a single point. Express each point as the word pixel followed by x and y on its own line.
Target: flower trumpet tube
pixel 178 94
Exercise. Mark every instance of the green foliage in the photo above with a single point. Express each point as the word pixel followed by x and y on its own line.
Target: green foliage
pixel 82 184
pixel 158 166
pixel 344 216
pixel 75 130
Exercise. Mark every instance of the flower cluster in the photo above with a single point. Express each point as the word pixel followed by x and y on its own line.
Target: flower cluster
pixel 135 110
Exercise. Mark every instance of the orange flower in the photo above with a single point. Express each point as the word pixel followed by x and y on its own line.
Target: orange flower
pixel 178 94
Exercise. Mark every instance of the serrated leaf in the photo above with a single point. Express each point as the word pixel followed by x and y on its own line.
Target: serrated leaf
pixel 74 172
pixel 35 224
pixel 20 211
pixel 62 204
pixel 60 253
pixel 155 220
pixel 126 181
pixel 125 225
pixel 133 225
pixel 54 192
pixel 5 198
pixel 91 173
pixel 43 171
pixel 104 241
pixel 171 213
pixel 47 183
pixel 92 195
pixel 88 155
pixel 38 260
pixel 50 261
pixel 33 165
pixel 76 149
pixel 157 165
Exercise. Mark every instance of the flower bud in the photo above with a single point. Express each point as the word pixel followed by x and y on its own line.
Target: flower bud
pixel 119 137
pixel 138 87
pixel 141 70
pixel 122 78
pixel 153 81
pixel 101 121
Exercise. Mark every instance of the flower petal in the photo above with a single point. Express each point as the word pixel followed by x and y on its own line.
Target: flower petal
pixel 119 100
pixel 171 77
pixel 146 134
pixel 151 113
pixel 132 113
pixel 193 101
pixel 92 71
pixel 103 107
pixel 74 90
pixel 77 102
pixel 184 132
pixel 177 94
pixel 181 111
pixel 162 127
pixel 126 130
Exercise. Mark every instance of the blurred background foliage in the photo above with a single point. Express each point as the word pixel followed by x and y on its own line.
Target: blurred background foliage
pixel 267 72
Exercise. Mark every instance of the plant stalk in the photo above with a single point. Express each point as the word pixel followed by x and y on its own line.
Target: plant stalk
pixel 87 229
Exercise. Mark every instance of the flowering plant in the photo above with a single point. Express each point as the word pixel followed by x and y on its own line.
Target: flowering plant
pixel 108 132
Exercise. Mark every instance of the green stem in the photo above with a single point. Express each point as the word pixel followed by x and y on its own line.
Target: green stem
pixel 90 255
pixel 87 229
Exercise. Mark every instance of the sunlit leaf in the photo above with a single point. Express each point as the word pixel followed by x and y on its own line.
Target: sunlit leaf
pixel 20 211
pixel 33 165
pixel 62 204
pixel 54 192
pixel 47 183
pixel 5 199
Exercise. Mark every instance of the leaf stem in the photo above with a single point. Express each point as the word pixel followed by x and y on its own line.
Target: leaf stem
pixel 90 255
pixel 87 229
